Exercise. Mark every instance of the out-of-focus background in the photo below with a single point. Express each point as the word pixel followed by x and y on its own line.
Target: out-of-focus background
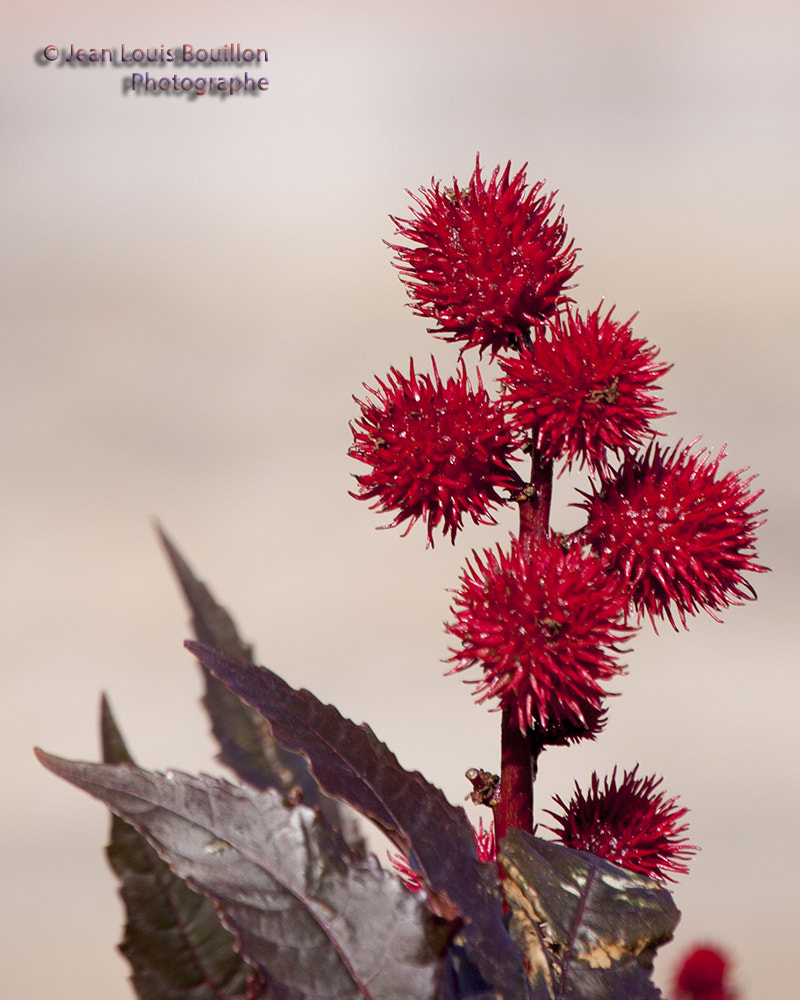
pixel 193 290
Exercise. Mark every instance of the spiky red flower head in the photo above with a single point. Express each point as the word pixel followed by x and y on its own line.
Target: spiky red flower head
pixel 631 825
pixel 485 841
pixel 585 389
pixel 678 536
pixel 490 261
pixel 543 625
pixel 703 976
pixel 437 450
pixel 408 876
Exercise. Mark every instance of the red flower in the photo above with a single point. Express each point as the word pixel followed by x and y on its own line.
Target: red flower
pixel 489 261
pixel 677 535
pixel 630 825
pixel 542 624
pixel 586 389
pixel 437 451
pixel 702 976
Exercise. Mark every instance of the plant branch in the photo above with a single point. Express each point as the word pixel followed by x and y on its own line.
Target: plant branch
pixel 518 752
pixel 534 507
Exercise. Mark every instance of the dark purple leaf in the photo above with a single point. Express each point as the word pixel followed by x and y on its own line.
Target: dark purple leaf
pixel 245 739
pixel 350 763
pixel 174 941
pixel 461 979
pixel 588 928
pixel 321 925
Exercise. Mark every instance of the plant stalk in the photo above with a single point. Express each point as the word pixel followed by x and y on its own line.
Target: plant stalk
pixel 518 751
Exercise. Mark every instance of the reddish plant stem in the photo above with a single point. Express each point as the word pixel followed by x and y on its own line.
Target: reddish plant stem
pixel 518 751
pixel 534 508
pixel 515 804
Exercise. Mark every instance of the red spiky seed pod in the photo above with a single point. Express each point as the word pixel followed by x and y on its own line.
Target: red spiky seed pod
pixel 703 975
pixel 543 625
pixel 631 824
pixel 437 451
pixel 408 876
pixel 490 260
pixel 485 841
pixel 679 535
pixel 585 389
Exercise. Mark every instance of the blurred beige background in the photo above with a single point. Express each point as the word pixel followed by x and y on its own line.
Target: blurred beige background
pixel 193 290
